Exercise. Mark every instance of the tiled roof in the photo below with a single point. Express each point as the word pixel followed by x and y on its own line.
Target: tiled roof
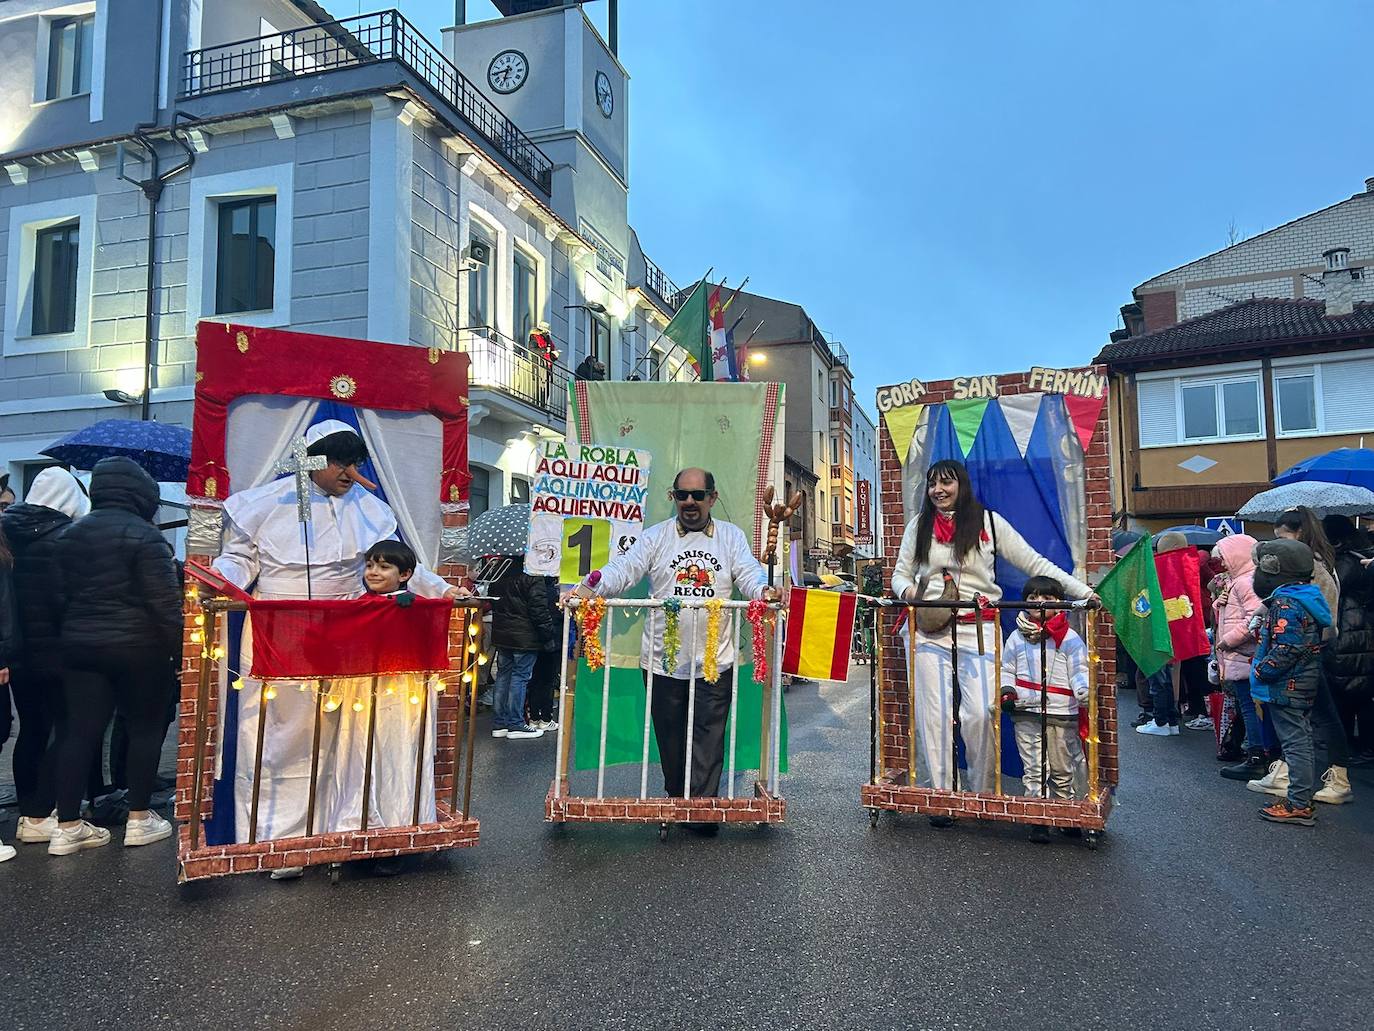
pixel 1259 320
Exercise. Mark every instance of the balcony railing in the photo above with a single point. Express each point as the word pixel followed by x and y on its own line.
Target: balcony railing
pixel 351 43
pixel 501 364
pixel 660 284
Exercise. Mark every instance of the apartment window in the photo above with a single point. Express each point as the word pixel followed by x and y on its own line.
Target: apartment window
pixel 1220 409
pixel 1297 402
pixel 54 279
pixel 479 493
pixel 519 490
pixel 600 337
pixel 820 385
pixel 656 366
pixel 482 279
pixel 526 306
pixel 834 508
pixel 834 394
pixel 245 256
pixel 834 451
pixel 70 56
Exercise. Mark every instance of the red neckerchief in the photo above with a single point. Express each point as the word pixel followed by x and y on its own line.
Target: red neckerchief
pixel 944 529
pixel 1057 626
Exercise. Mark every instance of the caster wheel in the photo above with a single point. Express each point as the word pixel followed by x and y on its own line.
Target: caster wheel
pixel 873 817
pixel 662 832
pixel 335 872
pixel 1091 840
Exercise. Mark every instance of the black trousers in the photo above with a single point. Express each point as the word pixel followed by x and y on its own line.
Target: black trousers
pixel 543 683
pixel 669 712
pixel 94 683
pixel 38 699
pixel 1194 686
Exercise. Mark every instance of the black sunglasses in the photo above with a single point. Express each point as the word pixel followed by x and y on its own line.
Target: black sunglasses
pixel 695 495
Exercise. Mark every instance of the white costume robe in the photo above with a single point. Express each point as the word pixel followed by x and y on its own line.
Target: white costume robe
pixel 263 542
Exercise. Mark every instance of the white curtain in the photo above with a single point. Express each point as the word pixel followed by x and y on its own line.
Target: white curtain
pixel 259 434
pixel 407 450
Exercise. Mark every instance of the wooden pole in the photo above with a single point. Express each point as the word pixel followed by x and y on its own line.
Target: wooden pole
pixel 367 761
pixel 315 761
pixel 257 763
pixel 1094 754
pixel 420 748
pixel 202 703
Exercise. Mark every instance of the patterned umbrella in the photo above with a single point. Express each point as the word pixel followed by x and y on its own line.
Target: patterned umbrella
pixel 1198 536
pixel 500 531
pixel 1322 497
pixel 163 449
pixel 1354 465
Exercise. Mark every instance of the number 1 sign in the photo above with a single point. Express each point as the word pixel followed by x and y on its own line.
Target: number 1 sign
pixel 586 507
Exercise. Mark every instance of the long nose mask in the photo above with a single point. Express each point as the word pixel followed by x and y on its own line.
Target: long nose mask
pixel 358 477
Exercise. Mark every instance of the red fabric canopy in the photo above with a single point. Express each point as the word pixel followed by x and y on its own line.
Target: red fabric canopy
pixel 370 636
pixel 1181 587
pixel 234 361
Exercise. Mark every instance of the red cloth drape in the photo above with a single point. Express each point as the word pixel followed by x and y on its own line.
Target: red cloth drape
pixel 234 361
pixel 1180 583
pixel 370 636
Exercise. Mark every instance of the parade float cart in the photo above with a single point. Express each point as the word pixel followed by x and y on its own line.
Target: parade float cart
pixel 605 728
pixel 256 392
pixel 1036 447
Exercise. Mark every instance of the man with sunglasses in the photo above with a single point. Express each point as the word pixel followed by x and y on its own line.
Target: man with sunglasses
pixel 691 557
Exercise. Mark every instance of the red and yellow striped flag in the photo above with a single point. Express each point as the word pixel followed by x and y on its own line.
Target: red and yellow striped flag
pixel 820 629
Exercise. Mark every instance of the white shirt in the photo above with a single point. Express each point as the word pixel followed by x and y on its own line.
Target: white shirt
pixel 263 542
pixel 689 565
pixel 974 572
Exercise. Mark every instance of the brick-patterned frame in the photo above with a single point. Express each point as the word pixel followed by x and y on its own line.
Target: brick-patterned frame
pixel 893 691
pixel 452 829
pixel 762 808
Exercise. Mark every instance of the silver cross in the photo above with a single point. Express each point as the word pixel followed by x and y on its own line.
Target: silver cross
pixel 301 466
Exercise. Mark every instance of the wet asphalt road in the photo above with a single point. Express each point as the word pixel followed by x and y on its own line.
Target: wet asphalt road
pixel 1194 914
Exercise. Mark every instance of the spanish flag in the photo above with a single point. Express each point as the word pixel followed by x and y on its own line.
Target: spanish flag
pixel 820 629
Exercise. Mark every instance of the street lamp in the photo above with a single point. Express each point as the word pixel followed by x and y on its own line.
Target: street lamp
pixel 758 358
pixel 595 307
pixel 122 397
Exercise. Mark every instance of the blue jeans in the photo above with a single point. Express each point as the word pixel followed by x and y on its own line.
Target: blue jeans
pixel 1162 696
pixel 1294 727
pixel 1254 726
pixel 512 680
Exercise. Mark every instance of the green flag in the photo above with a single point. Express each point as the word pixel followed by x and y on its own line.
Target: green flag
pixel 689 330
pixel 1130 592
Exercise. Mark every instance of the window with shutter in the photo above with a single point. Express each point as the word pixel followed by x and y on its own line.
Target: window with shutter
pixel 1345 395
pixel 1156 407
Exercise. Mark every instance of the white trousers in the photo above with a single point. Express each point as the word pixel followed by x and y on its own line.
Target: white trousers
pixel 1065 771
pixel 934 710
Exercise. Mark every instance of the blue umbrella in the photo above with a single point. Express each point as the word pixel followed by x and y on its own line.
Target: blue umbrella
pixel 1344 465
pixel 163 449
pixel 1198 536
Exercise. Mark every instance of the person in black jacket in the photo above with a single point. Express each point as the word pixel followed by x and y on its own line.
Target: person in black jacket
pixel 120 621
pixel 33 528
pixel 9 645
pixel 521 628
pixel 545 679
pixel 1348 661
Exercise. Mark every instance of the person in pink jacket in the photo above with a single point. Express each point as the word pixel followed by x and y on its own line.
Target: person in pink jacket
pixel 1235 646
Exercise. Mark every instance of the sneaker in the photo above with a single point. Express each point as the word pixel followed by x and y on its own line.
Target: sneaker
pixel 1335 789
pixel 66 840
pixel 1155 730
pixel 1275 782
pixel 1284 811
pixel 1173 730
pixel 1251 767
pixel 33 829
pixel 524 733
pixel 147 830
pixel 1142 717
pixel 287 873
pixel 500 732
pixel 550 725
pixel 7 852
pixel 1200 723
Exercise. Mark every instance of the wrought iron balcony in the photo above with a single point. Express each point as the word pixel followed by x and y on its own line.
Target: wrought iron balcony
pixel 351 43
pixel 660 284
pixel 511 368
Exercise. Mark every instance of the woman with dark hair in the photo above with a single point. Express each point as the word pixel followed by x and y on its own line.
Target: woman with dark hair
pixel 1301 524
pixel 949 550
pixel 9 645
pixel 1348 662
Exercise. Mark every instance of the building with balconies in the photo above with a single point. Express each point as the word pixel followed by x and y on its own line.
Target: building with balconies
pixel 264 162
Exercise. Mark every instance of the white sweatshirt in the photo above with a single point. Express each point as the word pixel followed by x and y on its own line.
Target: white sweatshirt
pixel 974 575
pixel 696 565
pixel 1066 681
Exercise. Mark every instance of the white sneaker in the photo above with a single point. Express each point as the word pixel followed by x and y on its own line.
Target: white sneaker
pixel 550 725
pixel 500 732
pixel 1155 730
pixel 66 840
pixel 147 830
pixel 525 733
pixel 287 873
pixel 1173 730
pixel 1335 789
pixel 33 829
pixel 7 852
pixel 1200 723
pixel 1275 782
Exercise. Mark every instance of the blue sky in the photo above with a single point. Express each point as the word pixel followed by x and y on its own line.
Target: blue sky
pixel 956 189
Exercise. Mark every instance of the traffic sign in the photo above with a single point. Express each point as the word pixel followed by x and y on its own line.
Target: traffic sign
pixel 1225 525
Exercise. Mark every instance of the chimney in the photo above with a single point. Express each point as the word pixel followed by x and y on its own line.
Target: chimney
pixel 1338 282
pixel 1369 185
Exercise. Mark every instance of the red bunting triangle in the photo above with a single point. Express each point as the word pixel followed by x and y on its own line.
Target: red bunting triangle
pixel 1083 411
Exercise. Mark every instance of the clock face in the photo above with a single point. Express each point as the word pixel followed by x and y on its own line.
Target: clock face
pixel 605 99
pixel 508 71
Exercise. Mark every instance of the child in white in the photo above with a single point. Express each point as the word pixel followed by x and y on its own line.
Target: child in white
pixel 1059 767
